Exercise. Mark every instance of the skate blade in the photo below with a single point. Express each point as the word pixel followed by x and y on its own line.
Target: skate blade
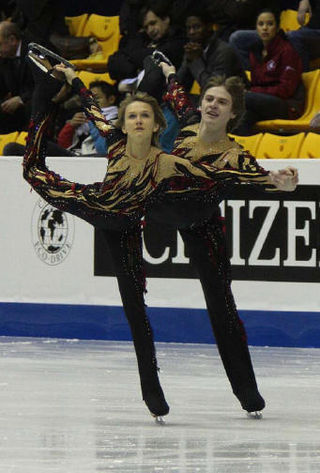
pixel 159 420
pixel 254 415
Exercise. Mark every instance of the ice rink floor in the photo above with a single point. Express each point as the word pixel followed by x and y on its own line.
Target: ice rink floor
pixel 73 406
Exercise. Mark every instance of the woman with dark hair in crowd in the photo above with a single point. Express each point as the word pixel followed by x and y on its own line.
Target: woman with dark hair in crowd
pixel 276 89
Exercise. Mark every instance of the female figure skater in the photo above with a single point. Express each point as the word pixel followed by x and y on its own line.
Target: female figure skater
pixel 136 168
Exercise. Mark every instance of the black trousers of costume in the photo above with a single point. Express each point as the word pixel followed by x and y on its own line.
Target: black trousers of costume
pixel 126 251
pixel 207 250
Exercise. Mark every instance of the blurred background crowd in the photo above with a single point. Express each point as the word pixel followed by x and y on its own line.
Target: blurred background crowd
pixel 274 46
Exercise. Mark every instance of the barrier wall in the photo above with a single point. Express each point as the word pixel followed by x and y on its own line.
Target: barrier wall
pixel 57 276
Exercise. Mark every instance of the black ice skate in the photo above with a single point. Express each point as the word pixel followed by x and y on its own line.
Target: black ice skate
pixel 50 85
pixel 252 402
pixel 46 59
pixel 159 57
pixel 157 405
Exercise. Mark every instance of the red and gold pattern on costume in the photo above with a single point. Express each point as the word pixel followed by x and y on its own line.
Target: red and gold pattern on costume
pixel 128 182
pixel 232 164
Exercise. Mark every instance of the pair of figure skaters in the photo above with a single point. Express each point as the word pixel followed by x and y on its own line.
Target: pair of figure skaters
pixel 182 189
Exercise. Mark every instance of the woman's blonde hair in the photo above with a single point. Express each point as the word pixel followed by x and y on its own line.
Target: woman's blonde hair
pixel 235 86
pixel 146 98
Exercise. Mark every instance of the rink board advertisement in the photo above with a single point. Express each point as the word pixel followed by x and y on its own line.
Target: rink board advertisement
pixel 57 276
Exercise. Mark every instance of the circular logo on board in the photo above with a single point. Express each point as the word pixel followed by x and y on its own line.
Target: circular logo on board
pixel 53 232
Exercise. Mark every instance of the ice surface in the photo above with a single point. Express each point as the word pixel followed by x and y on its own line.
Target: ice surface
pixel 73 406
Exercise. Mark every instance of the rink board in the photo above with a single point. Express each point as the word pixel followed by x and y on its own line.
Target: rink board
pixel 57 276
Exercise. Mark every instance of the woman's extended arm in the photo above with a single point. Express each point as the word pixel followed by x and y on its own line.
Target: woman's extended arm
pixel 92 110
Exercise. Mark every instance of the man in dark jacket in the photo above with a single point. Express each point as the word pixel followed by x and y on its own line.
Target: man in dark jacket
pixel 206 55
pixel 16 83
pixel 158 33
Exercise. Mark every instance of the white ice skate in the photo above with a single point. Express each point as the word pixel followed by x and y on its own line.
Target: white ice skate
pixel 254 415
pixel 159 420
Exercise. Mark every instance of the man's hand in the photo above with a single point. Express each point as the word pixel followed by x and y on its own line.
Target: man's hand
pixel 166 69
pixel 193 51
pixel 285 179
pixel 12 104
pixel 78 119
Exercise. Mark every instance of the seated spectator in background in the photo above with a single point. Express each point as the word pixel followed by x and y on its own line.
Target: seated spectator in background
pixel 276 89
pixel 306 40
pixel 158 33
pixel 78 137
pixel 16 82
pixel 82 137
pixel 205 54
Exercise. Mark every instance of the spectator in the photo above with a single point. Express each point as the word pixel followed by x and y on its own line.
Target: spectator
pixel 205 54
pixel 158 33
pixel 16 82
pixel 276 87
pixel 79 135
pixel 306 40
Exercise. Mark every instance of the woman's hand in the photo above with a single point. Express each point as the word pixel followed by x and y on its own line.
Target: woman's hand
pixel 68 72
pixel 285 179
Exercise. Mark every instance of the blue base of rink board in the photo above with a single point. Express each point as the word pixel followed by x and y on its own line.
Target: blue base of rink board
pixel 264 328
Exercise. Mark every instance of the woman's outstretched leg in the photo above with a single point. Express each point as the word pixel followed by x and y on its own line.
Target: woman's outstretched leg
pixel 126 251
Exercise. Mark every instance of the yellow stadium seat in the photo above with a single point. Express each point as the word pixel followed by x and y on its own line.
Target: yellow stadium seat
pixel 282 147
pixel 249 143
pixel 311 82
pixel 21 138
pixel 289 21
pixel 88 77
pixel 76 24
pixel 8 138
pixel 107 31
pixel 310 147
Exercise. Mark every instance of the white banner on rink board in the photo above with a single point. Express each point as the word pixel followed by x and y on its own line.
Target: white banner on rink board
pixel 52 257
